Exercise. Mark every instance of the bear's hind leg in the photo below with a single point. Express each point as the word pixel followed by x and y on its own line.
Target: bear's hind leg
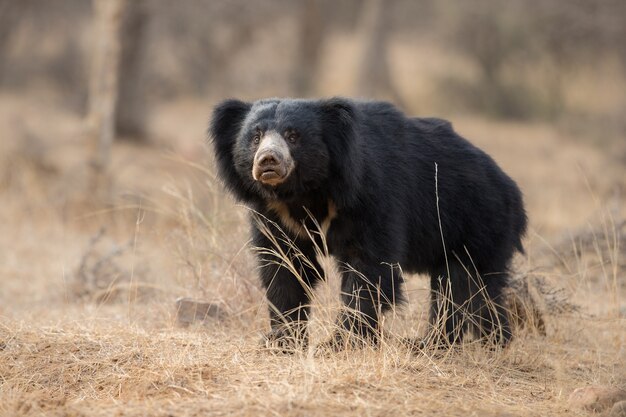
pixel 491 317
pixel 467 301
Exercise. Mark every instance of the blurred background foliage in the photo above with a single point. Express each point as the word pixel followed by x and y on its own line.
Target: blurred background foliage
pixel 557 61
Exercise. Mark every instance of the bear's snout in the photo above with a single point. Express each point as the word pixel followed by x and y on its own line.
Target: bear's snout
pixel 272 161
pixel 269 159
pixel 269 167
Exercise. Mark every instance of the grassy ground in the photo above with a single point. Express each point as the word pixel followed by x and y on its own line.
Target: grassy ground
pixel 87 316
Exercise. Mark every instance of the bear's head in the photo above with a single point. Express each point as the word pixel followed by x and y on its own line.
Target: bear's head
pixel 285 148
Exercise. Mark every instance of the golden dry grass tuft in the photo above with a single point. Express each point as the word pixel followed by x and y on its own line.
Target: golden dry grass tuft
pixel 105 341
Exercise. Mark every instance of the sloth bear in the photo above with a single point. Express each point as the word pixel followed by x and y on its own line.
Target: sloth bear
pixel 382 193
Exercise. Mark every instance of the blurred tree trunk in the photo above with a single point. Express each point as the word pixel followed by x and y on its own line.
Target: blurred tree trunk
pixel 10 11
pixel 375 77
pixel 103 88
pixel 131 101
pixel 310 42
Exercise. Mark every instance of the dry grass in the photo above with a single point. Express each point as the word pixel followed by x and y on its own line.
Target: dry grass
pixel 103 340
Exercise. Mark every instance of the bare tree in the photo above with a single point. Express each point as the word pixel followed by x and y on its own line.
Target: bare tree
pixel 375 76
pixel 131 107
pixel 310 41
pixel 103 88
pixel 10 12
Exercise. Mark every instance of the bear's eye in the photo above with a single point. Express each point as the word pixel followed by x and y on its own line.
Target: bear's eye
pixel 292 137
pixel 256 138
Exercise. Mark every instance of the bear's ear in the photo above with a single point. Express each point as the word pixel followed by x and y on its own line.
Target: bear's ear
pixel 340 121
pixel 226 123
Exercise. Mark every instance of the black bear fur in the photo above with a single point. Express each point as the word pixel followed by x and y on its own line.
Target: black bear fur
pixel 397 193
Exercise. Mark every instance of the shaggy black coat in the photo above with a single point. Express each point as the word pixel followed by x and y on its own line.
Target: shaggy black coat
pixel 394 193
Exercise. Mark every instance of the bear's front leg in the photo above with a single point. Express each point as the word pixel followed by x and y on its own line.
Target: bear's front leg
pixel 288 279
pixel 288 304
pixel 367 293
